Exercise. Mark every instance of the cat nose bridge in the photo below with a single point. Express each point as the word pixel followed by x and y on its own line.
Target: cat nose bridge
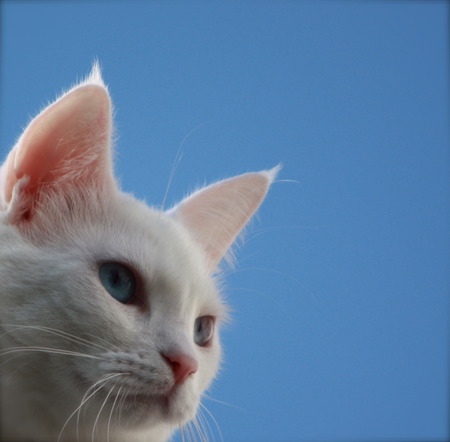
pixel 177 351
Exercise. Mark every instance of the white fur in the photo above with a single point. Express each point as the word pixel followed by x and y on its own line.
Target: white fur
pixel 63 338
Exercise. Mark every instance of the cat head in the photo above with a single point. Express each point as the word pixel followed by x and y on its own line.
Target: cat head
pixel 121 295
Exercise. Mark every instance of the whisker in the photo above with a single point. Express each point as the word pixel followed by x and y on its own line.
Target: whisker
pixel 287 181
pixel 190 432
pixel 111 413
pixel 181 431
pixel 100 412
pixel 61 333
pixel 97 386
pixel 201 426
pixel 108 345
pixel 213 419
pixel 122 404
pixel 210 398
pixel 207 426
pixel 83 401
pixel 195 428
pixel 176 162
pixel 48 350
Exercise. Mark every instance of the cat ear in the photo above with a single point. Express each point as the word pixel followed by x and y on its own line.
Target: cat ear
pixel 66 145
pixel 216 214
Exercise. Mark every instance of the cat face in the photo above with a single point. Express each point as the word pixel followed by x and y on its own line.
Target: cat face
pixel 110 307
pixel 158 345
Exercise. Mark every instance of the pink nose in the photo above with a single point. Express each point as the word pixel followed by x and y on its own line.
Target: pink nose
pixel 182 365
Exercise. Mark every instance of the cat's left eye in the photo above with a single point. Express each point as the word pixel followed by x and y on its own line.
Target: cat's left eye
pixel 204 330
pixel 118 280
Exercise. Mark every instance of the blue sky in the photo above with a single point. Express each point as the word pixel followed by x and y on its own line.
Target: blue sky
pixel 341 294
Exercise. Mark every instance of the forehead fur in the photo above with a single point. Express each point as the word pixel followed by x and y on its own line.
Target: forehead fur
pixel 120 228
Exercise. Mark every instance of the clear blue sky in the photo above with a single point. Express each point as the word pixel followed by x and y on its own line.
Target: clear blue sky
pixel 341 295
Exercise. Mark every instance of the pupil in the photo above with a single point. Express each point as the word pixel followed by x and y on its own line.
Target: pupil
pixel 115 278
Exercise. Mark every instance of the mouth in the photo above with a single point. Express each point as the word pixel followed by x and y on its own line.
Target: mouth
pixel 140 405
pixel 178 405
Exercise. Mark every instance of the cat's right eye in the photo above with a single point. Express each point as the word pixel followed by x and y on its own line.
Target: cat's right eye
pixel 118 280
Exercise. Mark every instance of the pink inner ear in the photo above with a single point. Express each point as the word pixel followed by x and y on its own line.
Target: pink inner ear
pixel 73 131
pixel 216 214
pixel 11 177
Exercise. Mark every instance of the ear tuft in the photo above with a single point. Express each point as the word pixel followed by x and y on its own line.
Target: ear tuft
pixel 95 76
pixel 272 173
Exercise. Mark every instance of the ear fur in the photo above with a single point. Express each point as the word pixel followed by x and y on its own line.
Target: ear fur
pixel 216 214
pixel 68 144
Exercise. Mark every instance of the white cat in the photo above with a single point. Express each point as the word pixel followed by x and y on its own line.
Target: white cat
pixel 109 309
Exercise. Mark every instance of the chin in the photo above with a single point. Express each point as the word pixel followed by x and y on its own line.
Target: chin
pixel 182 407
pixel 142 411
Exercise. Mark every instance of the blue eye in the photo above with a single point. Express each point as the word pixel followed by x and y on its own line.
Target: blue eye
pixel 118 280
pixel 204 330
